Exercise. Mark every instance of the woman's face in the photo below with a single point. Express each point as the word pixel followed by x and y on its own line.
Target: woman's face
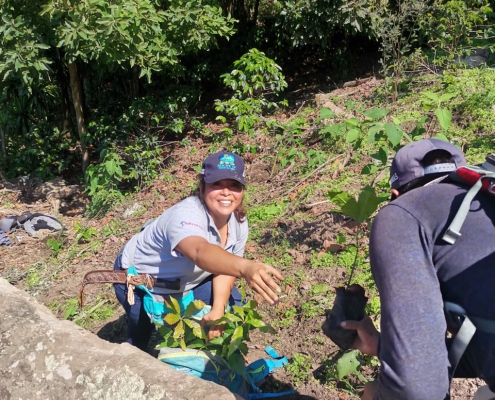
pixel 222 198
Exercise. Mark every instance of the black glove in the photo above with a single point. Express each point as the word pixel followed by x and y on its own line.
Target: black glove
pixel 348 305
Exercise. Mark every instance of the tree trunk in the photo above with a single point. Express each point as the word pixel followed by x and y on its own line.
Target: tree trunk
pixel 135 87
pixel 255 13
pixel 2 139
pixel 65 123
pixel 76 89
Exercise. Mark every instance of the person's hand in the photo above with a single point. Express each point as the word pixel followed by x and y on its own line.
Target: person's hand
pixel 369 390
pixel 214 330
pixel 367 339
pixel 258 278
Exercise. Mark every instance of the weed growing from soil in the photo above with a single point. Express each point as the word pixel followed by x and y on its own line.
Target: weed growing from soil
pixel 299 368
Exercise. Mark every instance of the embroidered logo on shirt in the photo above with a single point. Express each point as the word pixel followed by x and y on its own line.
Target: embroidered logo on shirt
pixel 184 223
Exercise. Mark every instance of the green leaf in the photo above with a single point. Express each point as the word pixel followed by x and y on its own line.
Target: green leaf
pixel 339 198
pixel 353 122
pixel 237 364
pixel 352 135
pixel 367 204
pixel 447 96
pixel 171 318
pixel 348 364
pixel 369 169
pixel 236 340
pixel 444 117
pixel 197 330
pixel 371 138
pixel 326 113
pixel 179 330
pixel 194 307
pixel 172 304
pixel 381 156
pixel 441 136
pixel 351 209
pixel 394 133
pixel 376 113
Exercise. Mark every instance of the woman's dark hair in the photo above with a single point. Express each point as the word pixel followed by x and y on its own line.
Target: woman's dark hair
pixel 239 212
pixel 431 158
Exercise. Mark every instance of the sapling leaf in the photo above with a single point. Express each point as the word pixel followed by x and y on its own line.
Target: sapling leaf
pixel 348 364
pixel 326 113
pixel 256 323
pixel 193 307
pixel 444 117
pixel 243 348
pixel 352 135
pixel 372 131
pixel 239 310
pixel 338 198
pixel 447 96
pixel 381 156
pixel 169 302
pixel 164 331
pixel 217 340
pixel 441 136
pixel 369 169
pixel 179 330
pixel 171 318
pixel 252 304
pixel 197 330
pixel 183 345
pixel 394 133
pixel 367 204
pixel 237 364
pixel 376 113
pixel 196 344
pixel 351 209
pixel 354 122
pixel 236 340
pixel 268 329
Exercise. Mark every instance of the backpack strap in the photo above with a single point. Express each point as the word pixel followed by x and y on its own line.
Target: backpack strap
pixel 484 179
pixel 457 316
pixel 258 369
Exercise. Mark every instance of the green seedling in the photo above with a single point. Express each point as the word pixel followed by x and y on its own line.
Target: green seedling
pixel 299 368
pixel 181 330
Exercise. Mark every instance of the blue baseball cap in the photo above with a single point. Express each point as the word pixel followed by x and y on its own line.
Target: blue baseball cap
pixel 407 163
pixel 223 165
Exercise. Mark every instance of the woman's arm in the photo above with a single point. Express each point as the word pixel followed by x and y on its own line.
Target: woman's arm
pixel 212 258
pixel 222 288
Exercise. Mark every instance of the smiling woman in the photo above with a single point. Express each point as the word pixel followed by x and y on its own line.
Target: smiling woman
pixel 195 249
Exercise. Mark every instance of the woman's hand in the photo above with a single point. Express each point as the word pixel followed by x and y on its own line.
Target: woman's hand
pixel 214 330
pixel 368 335
pixel 258 278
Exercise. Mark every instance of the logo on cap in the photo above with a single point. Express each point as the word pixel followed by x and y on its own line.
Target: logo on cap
pixel 394 178
pixel 227 161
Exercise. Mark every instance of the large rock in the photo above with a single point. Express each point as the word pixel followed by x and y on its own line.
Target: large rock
pixel 42 357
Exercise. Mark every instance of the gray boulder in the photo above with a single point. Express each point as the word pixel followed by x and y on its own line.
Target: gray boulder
pixel 42 357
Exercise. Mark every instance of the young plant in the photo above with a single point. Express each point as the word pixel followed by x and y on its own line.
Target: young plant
pixel 434 101
pixel 186 332
pixel 360 210
pixel 84 233
pixel 299 368
pixel 254 77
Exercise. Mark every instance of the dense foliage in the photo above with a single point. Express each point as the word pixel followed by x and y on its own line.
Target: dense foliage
pixel 86 85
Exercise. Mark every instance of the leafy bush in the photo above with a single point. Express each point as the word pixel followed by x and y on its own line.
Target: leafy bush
pixel 102 182
pixel 254 78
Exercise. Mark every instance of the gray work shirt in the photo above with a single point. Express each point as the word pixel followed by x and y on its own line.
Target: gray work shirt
pixel 415 270
pixel 152 251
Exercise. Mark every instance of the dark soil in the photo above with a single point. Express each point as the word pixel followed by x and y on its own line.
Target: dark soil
pixel 308 225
